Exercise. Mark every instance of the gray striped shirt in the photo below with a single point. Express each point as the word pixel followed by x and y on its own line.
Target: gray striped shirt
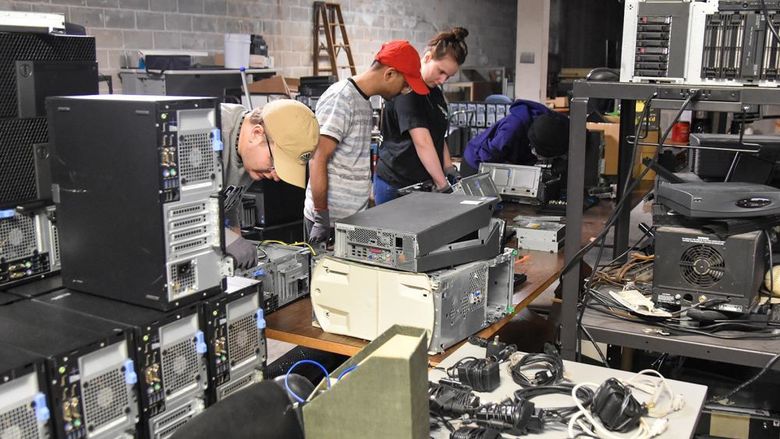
pixel 345 115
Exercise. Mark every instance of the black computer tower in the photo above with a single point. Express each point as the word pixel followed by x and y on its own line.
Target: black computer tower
pixel 33 66
pixel 136 182
pixel 235 329
pixel 273 210
pixel 8 298
pixel 25 409
pixel 169 353
pixel 91 376
pixel 37 288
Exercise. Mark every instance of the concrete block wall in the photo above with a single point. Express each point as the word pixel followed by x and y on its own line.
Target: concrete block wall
pixel 121 27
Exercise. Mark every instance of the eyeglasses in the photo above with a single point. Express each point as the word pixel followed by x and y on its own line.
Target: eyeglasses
pixel 268 145
pixel 406 90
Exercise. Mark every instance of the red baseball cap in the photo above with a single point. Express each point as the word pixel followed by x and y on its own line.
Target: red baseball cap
pixel 402 56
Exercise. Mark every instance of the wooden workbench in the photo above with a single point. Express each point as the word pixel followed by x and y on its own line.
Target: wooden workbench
pixel 293 323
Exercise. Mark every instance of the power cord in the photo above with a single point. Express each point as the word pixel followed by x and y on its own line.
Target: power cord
pixel 447 398
pixel 298 363
pixel 770 25
pixel 628 413
pixel 752 380
pixel 556 414
pixel 549 369
pixel 475 433
pixel 656 390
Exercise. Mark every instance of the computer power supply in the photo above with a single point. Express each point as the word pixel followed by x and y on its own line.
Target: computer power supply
pixel 169 351
pixel 89 366
pixel 24 400
pixel 693 267
pixel 362 301
pixel 421 232
pixel 235 332
pixel 29 246
pixel 285 272
pixel 145 228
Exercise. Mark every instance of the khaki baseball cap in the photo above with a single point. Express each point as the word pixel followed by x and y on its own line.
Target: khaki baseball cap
pixel 294 134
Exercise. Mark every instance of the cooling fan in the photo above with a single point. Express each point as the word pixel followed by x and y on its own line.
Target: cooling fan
pixel 702 266
pixel 692 267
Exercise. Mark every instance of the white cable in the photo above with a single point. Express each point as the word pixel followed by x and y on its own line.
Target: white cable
pixel 656 390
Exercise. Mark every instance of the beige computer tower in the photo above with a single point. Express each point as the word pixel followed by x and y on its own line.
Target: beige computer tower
pixel 350 298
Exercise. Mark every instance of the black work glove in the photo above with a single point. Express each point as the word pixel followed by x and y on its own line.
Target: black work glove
pixel 452 174
pixel 243 252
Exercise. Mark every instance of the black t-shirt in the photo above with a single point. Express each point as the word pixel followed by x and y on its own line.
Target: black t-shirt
pixel 398 162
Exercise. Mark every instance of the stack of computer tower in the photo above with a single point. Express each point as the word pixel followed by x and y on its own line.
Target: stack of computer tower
pixel 34 63
pixel 137 183
pixel 142 329
pixel 88 363
pixel 427 260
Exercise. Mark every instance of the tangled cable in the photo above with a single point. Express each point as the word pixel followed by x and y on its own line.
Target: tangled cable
pixel 549 368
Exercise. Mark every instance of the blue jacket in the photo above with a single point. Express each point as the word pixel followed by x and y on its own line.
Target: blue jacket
pixel 506 141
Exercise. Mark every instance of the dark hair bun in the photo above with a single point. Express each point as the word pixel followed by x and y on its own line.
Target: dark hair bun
pixel 459 33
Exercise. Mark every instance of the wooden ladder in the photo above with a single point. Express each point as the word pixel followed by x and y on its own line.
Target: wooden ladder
pixel 327 19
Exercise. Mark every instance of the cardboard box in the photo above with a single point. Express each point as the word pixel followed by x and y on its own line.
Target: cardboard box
pixel 275 85
pixel 611 133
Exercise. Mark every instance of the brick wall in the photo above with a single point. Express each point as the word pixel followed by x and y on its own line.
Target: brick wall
pixel 123 26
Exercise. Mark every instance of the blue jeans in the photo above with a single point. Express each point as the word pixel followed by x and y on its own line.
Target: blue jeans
pixel 383 191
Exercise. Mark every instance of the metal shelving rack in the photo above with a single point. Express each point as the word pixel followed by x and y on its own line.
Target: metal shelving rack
pixel 608 329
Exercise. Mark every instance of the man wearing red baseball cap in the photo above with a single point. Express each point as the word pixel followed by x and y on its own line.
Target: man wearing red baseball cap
pixel 400 55
pixel 339 172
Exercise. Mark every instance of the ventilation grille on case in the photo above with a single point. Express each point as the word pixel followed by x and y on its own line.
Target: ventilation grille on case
pixel 196 157
pixel 243 339
pixel 55 247
pixel 17 163
pixel 170 429
pixel 363 236
pixel 189 233
pixel 235 384
pixel 189 245
pixel 200 219
pixel 477 282
pixel 18 423
pixel 187 210
pixel 180 365
pixel 164 425
pixel 17 237
pixel 702 265
pixel 184 279
pixel 105 399
pixel 23 46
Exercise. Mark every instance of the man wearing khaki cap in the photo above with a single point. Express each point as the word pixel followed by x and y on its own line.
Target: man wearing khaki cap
pixel 275 143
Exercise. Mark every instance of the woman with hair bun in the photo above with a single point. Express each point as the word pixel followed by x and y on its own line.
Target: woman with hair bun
pixel 413 147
